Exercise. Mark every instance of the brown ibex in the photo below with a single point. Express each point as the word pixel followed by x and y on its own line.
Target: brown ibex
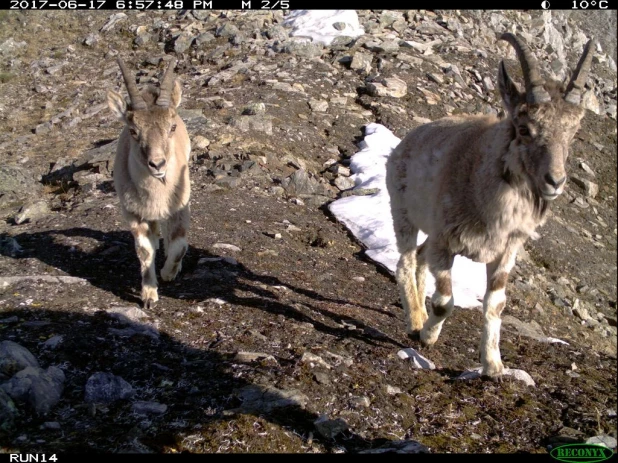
pixel 479 187
pixel 151 174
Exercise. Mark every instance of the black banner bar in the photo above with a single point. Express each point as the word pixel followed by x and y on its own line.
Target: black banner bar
pixel 141 5
pixel 183 457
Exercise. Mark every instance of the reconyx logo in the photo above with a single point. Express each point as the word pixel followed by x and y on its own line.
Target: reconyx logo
pixel 581 453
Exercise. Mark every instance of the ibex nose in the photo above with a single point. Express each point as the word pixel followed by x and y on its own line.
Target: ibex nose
pixel 553 182
pixel 158 164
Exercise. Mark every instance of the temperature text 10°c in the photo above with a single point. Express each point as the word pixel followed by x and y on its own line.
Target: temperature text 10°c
pixel 586 4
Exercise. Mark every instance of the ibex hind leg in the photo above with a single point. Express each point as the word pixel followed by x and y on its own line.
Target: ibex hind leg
pixel 412 301
pixel 176 244
pixel 421 273
pixel 440 262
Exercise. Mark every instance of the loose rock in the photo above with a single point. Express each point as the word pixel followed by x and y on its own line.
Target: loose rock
pixel 330 428
pixel 14 358
pixel 264 399
pixel 148 408
pixel 106 388
pixel 392 86
pixel 417 359
pixel 41 389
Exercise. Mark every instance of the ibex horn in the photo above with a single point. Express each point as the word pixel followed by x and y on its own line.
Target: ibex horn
pixel 535 93
pixel 165 90
pixel 137 102
pixel 578 80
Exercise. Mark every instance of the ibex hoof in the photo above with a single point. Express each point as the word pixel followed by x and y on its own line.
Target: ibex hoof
pixel 493 372
pixel 149 297
pixel 414 326
pixel 492 378
pixel 429 337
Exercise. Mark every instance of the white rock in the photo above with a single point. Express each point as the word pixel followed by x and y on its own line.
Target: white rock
pixel 111 22
pixel 604 440
pixel 425 48
pixel 344 183
pixel 417 359
pixel 310 358
pixel 392 390
pixel 586 168
pixel 590 188
pixel 391 86
pixel 360 401
pixel 249 357
pixel 338 359
pixel 318 105
pixel 229 247
pixel 361 61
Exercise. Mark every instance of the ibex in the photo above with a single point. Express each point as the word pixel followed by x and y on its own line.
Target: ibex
pixel 479 187
pixel 151 175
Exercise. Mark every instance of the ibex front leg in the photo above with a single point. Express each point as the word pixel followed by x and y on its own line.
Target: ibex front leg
pixel 145 235
pixel 175 242
pixel 493 305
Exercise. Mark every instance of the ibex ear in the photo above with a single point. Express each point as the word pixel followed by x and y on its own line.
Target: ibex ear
pixel 176 95
pixel 117 104
pixel 508 90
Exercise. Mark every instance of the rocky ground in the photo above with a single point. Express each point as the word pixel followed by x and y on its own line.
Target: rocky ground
pixel 279 335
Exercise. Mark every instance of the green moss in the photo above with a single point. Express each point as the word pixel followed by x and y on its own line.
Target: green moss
pixel 470 412
pixel 5 76
pixel 437 442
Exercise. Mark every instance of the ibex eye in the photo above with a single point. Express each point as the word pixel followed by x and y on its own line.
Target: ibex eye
pixel 133 132
pixel 173 128
pixel 523 131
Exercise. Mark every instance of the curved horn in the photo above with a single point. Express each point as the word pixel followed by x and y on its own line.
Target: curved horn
pixel 535 93
pixel 578 80
pixel 137 102
pixel 167 83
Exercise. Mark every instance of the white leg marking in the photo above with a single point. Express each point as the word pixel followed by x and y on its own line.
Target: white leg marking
pixel 145 248
pixel 415 313
pixel 490 341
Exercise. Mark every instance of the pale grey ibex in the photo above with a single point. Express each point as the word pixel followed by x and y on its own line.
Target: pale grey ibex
pixel 479 187
pixel 151 174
